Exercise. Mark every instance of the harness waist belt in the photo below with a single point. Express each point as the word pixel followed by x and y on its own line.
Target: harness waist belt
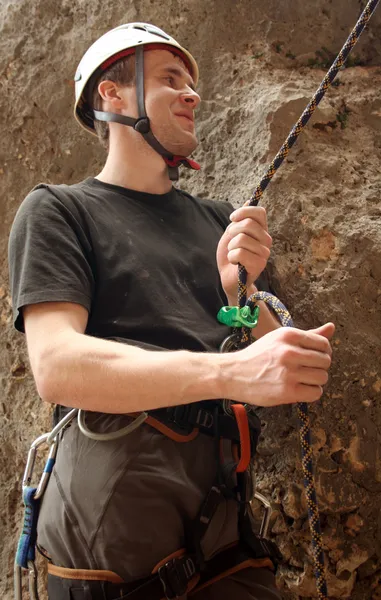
pixel 203 415
pixel 175 578
pixel 187 420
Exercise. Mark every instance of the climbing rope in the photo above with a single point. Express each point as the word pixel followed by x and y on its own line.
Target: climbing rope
pixel 285 318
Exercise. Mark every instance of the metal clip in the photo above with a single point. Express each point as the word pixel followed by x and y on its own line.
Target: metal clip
pixel 48 467
pixel 32 570
pixel 51 439
pixel 33 592
pixel 266 516
pixel 231 343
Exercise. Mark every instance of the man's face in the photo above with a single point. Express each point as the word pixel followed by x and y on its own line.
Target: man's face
pixel 170 101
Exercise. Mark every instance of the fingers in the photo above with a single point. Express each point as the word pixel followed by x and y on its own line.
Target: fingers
pixel 301 392
pixel 313 341
pixel 251 230
pixel 311 376
pixel 327 330
pixel 308 393
pixel 256 213
pixel 247 252
pixel 313 359
pixel 250 242
pixel 253 263
pixel 297 338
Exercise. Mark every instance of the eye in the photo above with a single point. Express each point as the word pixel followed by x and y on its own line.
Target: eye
pixel 171 80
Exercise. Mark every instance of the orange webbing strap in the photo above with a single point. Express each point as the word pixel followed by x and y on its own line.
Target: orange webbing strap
pixel 244 434
pixel 176 437
pixel 226 562
pixel 253 563
pixel 153 592
pixel 84 574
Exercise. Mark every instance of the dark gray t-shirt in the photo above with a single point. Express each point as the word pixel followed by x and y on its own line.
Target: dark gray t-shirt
pixel 143 265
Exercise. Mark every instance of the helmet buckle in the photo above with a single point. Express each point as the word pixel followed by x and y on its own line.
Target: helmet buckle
pixel 142 125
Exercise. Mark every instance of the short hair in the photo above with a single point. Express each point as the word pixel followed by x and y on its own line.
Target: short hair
pixel 121 72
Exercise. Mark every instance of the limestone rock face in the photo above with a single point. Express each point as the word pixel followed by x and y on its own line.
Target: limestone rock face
pixel 260 62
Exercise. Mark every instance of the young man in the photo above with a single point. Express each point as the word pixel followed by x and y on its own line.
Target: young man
pixel 116 282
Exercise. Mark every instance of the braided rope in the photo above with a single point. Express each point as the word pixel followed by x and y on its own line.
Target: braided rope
pixel 306 451
pixel 280 309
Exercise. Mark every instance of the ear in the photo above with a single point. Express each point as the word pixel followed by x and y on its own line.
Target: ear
pixel 109 91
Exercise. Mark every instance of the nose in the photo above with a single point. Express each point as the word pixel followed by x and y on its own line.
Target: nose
pixel 190 98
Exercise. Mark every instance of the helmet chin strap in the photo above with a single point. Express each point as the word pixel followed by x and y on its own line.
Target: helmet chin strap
pixel 142 123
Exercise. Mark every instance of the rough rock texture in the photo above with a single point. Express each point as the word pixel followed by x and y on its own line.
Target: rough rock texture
pixel 260 63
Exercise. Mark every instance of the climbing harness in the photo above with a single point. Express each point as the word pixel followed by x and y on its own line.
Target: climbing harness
pixel 186 570
pixel 281 311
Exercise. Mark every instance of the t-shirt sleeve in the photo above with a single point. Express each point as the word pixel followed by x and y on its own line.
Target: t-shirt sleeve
pixel 49 255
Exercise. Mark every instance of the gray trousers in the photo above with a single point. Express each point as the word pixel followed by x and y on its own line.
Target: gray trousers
pixel 121 505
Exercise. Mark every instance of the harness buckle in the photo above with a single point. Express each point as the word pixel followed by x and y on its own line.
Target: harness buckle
pixel 205 418
pixel 175 576
pixel 188 416
pixel 184 416
pixel 142 125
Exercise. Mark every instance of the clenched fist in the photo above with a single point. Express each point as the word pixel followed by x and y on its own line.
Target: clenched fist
pixel 285 366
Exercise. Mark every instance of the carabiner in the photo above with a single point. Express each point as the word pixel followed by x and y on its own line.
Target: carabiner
pixel 17 578
pixel 231 343
pixel 263 500
pixel 32 458
pixel 48 466
pixel 51 439
pixel 33 589
pixel 267 514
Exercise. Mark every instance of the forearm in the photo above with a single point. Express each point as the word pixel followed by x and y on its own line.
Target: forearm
pixel 99 375
pixel 267 321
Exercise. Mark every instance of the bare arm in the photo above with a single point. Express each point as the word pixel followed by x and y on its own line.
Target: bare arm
pixel 77 370
pixel 81 371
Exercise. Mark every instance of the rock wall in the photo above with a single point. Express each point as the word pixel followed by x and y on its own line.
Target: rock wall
pixel 260 62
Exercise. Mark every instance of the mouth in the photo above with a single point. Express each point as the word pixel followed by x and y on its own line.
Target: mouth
pixel 185 116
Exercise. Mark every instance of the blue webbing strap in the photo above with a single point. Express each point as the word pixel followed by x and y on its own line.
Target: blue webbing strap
pixel 26 549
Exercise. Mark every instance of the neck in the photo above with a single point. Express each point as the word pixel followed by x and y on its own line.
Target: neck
pixel 133 164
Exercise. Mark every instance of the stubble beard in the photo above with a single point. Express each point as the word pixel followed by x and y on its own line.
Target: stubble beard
pixel 177 141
